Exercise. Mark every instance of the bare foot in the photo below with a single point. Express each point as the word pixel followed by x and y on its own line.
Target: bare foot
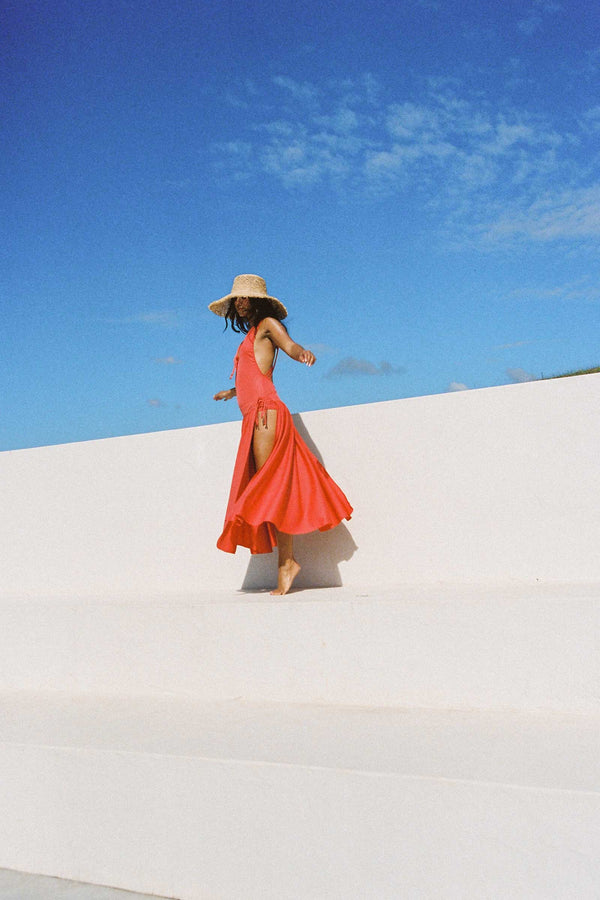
pixel 287 573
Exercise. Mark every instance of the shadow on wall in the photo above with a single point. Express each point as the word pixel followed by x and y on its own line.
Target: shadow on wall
pixel 319 553
pixel 304 434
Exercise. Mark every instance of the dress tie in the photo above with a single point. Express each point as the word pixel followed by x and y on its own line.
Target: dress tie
pixel 261 413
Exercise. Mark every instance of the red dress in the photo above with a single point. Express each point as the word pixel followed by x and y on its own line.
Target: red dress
pixel 292 492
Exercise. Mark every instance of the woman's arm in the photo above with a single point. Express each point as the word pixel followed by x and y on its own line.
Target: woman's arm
pixel 225 395
pixel 274 330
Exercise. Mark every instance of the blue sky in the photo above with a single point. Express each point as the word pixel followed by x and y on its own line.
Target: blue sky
pixel 417 181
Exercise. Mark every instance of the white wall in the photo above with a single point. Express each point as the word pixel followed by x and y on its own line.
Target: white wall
pixel 497 484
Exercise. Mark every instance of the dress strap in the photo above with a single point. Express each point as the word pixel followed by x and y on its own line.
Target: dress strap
pixel 235 365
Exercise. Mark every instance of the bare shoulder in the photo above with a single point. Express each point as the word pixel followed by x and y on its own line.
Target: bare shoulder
pixel 270 325
pixel 272 329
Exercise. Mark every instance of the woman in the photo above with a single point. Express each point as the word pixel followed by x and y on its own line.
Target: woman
pixel 279 488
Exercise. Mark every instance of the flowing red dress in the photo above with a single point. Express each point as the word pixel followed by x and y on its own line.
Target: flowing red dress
pixel 292 492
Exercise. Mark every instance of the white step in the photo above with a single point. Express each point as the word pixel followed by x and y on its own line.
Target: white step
pixel 185 799
pixel 503 646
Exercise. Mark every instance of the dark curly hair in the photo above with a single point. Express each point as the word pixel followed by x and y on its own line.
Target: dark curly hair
pixel 261 309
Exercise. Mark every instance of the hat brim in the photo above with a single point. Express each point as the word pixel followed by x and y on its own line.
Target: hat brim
pixel 220 307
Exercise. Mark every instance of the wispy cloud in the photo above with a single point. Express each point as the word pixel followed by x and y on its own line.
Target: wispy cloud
pixel 321 349
pixel 166 318
pixel 534 15
pixel 582 290
pixel 513 345
pixel 457 386
pixel 520 376
pixel 157 403
pixel 167 361
pixel 592 118
pixel 494 173
pixel 565 215
pixel 349 366
pixel 304 91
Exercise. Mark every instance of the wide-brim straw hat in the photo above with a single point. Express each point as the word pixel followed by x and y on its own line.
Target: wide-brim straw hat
pixel 247 286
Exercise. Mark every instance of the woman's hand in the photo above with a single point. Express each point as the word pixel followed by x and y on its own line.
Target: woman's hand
pixel 225 395
pixel 306 357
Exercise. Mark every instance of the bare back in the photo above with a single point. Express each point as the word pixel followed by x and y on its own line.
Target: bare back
pixel 264 349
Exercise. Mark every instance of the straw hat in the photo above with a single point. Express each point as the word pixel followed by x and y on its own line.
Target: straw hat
pixel 247 286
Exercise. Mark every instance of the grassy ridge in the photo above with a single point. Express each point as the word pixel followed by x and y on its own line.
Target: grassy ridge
pixel 592 371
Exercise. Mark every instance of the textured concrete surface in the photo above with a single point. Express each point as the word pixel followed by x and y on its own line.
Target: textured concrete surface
pixel 248 801
pixel 420 721
pixel 444 646
pixel 523 749
pixel 22 886
pixel 501 483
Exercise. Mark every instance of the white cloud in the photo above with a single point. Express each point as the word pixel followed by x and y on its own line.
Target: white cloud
pixel 156 402
pixel 492 172
pixel 506 135
pixel 457 386
pixel 280 128
pixel 237 149
pixel 534 16
pixel 591 118
pixel 303 91
pixel 167 360
pixel 301 158
pixel 409 120
pixel 519 376
pixel 351 366
pixel 344 120
pixel 569 214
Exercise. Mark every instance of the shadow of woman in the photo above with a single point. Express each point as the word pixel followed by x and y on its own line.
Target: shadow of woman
pixel 319 552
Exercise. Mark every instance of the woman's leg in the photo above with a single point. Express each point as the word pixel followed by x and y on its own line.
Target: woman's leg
pixel 262 444
pixel 264 437
pixel 288 568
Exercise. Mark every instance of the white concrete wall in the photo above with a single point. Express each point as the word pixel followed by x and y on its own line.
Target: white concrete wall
pixel 501 484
